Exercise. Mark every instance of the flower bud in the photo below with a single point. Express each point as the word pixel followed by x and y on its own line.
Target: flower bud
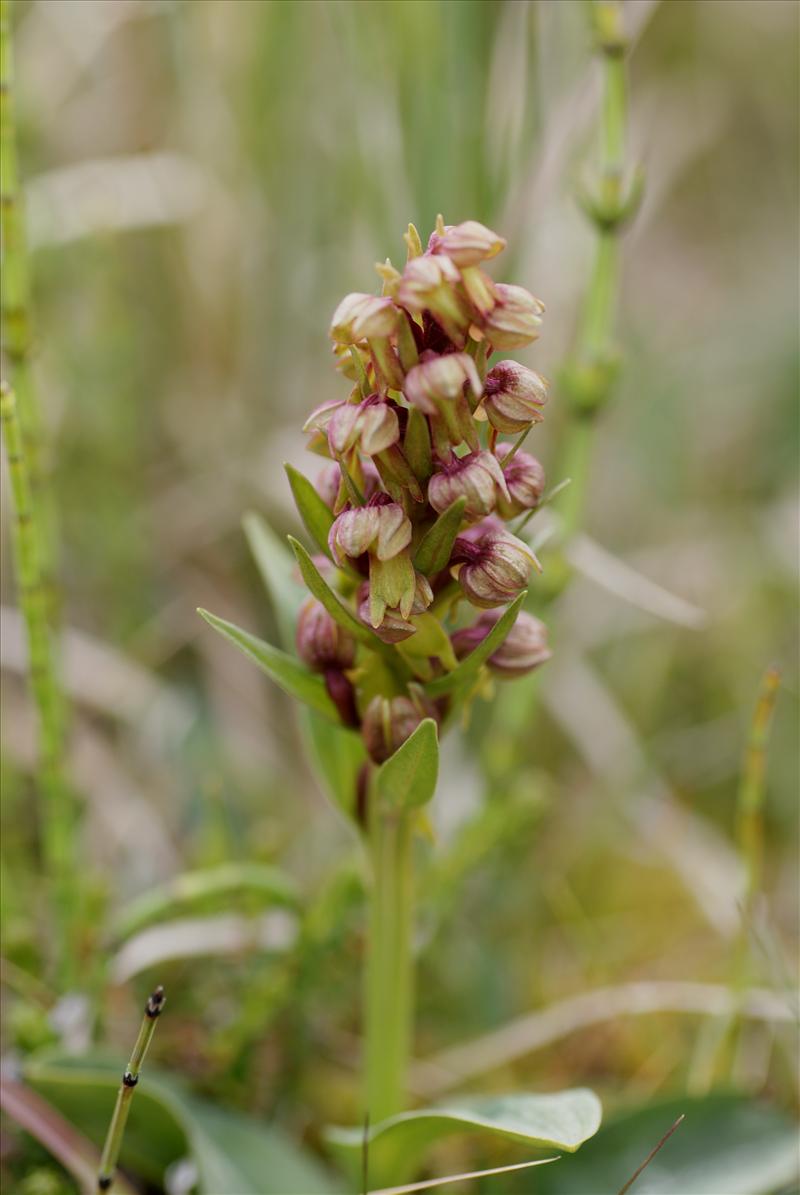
pixel 515 319
pixel 381 527
pixel 432 284
pixel 522 650
pixel 371 425
pixel 321 642
pixel 438 380
pixel 467 244
pixel 360 317
pixel 514 396
pixel 477 477
pixel 389 721
pixel 491 564
pixel 525 481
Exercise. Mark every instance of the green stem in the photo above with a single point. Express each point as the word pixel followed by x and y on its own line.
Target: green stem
pixel 15 305
pixel 590 372
pixel 389 975
pixel 116 1129
pixel 56 813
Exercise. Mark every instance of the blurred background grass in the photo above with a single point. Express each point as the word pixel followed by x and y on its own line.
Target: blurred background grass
pixel 205 181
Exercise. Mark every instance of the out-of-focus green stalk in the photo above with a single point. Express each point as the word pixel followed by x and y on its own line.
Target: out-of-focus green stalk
pixel 15 302
pixel 389 976
pixel 590 371
pixel 56 816
pixel 33 539
pixel 715 1042
pixel 752 789
pixel 116 1129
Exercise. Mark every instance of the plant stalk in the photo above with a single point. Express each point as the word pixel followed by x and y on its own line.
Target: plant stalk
pixel 116 1129
pixel 15 305
pixel 590 371
pixel 56 814
pixel 389 973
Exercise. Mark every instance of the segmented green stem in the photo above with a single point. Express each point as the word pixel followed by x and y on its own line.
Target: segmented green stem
pixel 15 305
pixel 389 975
pixel 589 374
pixel 116 1129
pixel 56 819
pixel 752 787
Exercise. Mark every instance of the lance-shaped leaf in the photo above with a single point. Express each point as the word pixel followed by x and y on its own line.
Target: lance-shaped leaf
pixel 316 516
pixel 257 883
pixel 436 544
pixel 284 669
pixel 408 778
pixel 335 607
pixel 469 667
pixel 397 1146
pixel 276 565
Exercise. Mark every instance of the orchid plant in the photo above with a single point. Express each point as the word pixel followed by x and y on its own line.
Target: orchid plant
pixel 416 583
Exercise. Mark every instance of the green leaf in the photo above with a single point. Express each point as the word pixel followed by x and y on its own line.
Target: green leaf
pixel 336 754
pixel 469 667
pixel 417 444
pixel 726 1143
pixel 234 1154
pixel 255 881
pixel 408 778
pixel 563 1120
pixel 436 544
pixel 317 517
pixel 276 565
pixel 335 607
pixel 285 670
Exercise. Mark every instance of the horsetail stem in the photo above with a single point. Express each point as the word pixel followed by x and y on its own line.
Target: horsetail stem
pixel 56 827
pixel 15 308
pixel 590 372
pixel 116 1129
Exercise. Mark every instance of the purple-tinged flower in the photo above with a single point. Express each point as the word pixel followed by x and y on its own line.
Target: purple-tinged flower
pixel 380 528
pixel 371 426
pixel 433 284
pixel 467 244
pixel 491 564
pixel 439 380
pixel 363 317
pixel 389 721
pixel 436 388
pixel 515 319
pixel 514 397
pixel 477 477
pixel 321 642
pixel 523 649
pixel 525 481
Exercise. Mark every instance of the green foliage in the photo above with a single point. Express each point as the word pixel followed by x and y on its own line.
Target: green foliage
pixel 285 670
pixel 232 1152
pixel 213 886
pixel 436 545
pixel 459 680
pixel 408 778
pixel 563 1120
pixel 335 607
pixel 316 516
pixel 726 1143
